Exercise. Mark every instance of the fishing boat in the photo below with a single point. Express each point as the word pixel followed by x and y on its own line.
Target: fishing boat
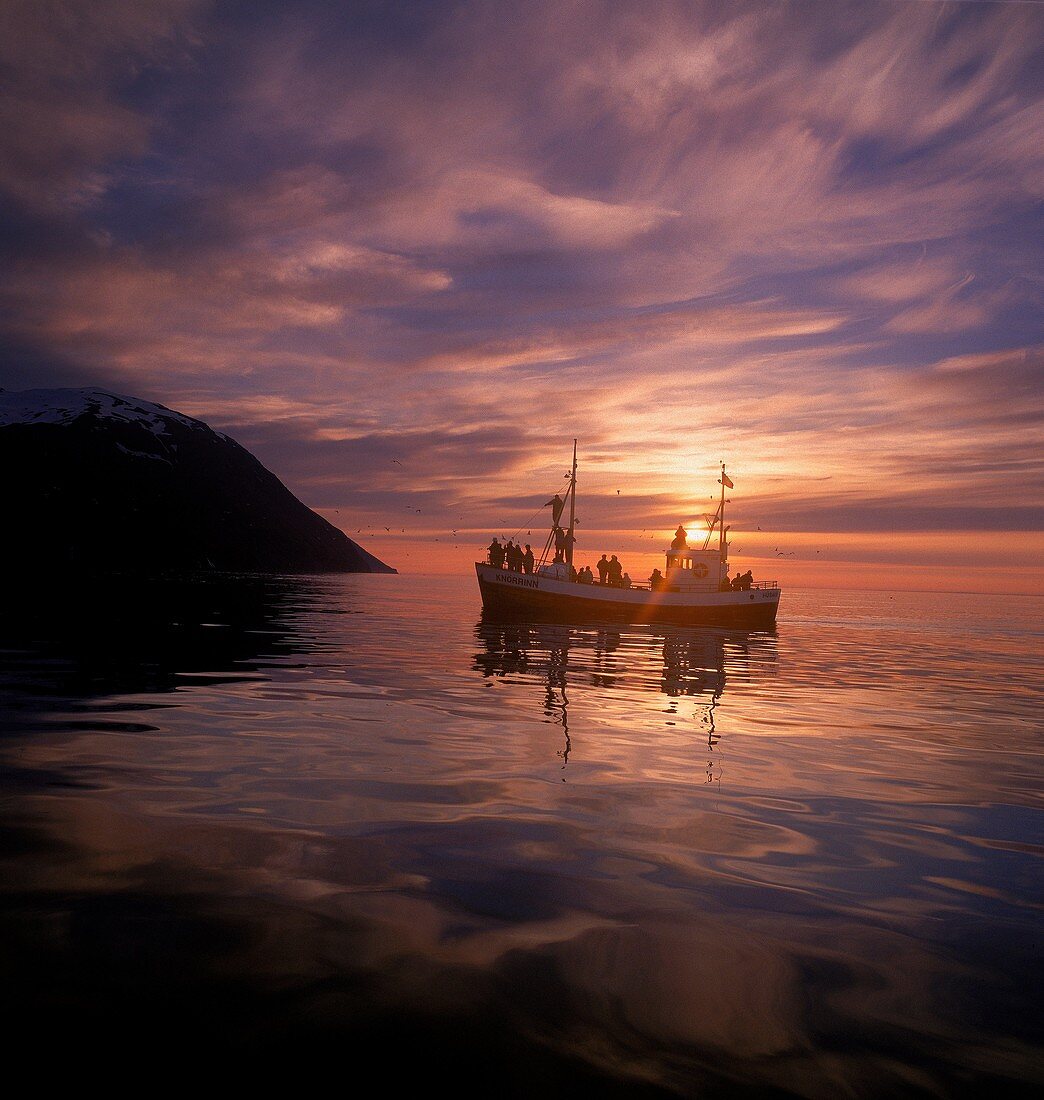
pixel 693 589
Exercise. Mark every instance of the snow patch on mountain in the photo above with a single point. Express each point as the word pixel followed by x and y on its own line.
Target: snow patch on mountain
pixel 141 454
pixel 66 406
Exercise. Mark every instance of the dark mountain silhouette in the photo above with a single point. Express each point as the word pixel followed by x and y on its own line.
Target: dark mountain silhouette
pixel 96 481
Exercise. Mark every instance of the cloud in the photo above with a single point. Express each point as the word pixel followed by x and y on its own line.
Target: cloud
pixel 62 122
pixel 797 235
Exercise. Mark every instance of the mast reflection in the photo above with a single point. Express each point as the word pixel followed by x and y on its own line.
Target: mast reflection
pixel 682 663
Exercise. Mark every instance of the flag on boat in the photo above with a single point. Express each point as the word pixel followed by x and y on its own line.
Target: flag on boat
pixel 726 480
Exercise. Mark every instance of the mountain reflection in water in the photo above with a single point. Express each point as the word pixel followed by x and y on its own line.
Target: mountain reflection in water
pixel 287 825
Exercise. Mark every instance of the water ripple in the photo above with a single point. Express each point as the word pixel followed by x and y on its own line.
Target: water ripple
pixel 668 859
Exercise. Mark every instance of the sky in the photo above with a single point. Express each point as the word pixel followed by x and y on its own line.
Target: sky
pixel 407 252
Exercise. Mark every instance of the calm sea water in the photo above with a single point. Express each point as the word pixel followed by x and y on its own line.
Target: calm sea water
pixel 343 821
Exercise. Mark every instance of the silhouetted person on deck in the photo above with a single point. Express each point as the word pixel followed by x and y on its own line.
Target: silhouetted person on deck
pixel 585 576
pixel 509 555
pixel 496 554
pixel 680 537
pixel 725 585
pixel 603 568
pixel 527 560
pixel 615 572
pixel 655 579
pixel 625 580
pixel 746 580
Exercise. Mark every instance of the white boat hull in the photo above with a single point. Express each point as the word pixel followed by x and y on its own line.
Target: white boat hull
pixel 542 596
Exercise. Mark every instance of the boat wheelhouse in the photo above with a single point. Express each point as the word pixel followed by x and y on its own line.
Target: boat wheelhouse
pixel 694 587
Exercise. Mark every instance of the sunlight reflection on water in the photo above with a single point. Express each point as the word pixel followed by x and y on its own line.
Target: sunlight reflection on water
pixel 686 859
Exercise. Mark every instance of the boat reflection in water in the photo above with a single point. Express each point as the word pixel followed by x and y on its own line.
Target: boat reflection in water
pixel 629 666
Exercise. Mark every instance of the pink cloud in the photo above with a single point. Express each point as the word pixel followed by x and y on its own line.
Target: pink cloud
pixel 61 121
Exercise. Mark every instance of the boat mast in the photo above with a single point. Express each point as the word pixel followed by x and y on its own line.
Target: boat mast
pixel 721 517
pixel 718 520
pixel 572 509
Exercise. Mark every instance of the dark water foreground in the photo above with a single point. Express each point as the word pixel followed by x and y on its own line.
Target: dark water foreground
pixel 258 829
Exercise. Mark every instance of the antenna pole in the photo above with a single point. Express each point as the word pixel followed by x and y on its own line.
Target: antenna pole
pixel 572 509
pixel 721 517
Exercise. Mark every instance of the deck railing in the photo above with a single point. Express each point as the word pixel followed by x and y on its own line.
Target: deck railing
pixel 647 587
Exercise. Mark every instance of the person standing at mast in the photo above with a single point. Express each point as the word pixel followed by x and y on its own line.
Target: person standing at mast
pixel 557 505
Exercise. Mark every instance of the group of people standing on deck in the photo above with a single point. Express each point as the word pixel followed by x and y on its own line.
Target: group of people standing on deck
pixel 610 572
pixel 740 583
pixel 511 556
